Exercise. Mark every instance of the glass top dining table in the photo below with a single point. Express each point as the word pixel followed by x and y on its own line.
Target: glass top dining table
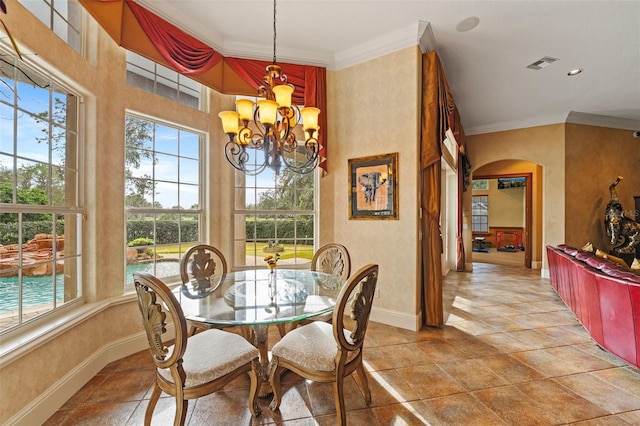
pixel 257 299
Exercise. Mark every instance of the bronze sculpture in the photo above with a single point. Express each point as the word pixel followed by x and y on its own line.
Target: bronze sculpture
pixel 623 232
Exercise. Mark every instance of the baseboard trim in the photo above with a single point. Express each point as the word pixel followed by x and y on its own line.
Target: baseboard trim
pixel 47 403
pixel 396 319
pixel 544 273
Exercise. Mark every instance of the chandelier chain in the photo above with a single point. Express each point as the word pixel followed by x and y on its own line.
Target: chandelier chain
pixel 274 31
pixel 269 127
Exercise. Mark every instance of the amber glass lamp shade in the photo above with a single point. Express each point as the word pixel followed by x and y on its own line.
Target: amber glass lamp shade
pixel 310 118
pixel 268 111
pixel 283 94
pixel 245 109
pixel 229 122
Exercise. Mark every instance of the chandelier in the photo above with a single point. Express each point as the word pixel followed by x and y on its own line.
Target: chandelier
pixel 269 127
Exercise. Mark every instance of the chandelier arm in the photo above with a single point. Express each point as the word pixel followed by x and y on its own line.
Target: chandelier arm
pixel 311 152
pixel 238 157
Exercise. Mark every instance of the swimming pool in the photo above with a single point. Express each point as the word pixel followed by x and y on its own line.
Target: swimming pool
pixel 39 290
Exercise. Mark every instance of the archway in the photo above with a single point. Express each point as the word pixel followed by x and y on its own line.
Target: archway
pixel 516 225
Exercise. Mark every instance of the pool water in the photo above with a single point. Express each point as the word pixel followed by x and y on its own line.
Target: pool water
pixel 35 291
pixel 39 290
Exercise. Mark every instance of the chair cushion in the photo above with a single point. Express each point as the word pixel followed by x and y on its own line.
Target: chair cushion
pixel 311 346
pixel 211 355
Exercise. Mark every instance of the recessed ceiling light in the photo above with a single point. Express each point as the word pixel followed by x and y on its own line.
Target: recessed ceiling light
pixel 574 72
pixel 468 24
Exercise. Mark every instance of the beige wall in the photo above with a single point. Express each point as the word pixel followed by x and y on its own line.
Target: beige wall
pixel 595 157
pixel 369 119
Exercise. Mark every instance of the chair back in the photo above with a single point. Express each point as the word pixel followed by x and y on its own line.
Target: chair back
pixel 353 308
pixel 157 305
pixel 332 259
pixel 200 263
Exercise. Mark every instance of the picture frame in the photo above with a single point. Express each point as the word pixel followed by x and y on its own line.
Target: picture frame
pixel 373 187
pixel 512 182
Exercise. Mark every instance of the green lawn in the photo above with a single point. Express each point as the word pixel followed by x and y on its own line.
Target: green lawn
pixel 304 251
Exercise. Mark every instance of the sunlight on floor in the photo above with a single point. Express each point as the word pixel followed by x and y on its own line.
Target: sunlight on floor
pixel 389 388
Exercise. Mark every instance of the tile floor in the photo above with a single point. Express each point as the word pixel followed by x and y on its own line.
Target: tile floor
pixel 510 353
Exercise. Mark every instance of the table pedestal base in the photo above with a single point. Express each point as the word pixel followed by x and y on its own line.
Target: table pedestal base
pixel 261 333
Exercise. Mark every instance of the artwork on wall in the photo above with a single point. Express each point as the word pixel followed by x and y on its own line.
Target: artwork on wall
pixel 480 185
pixel 514 182
pixel 373 187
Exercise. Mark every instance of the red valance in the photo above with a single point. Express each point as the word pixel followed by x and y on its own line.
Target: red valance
pixel 186 54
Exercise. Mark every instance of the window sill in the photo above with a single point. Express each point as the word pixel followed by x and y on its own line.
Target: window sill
pixel 15 345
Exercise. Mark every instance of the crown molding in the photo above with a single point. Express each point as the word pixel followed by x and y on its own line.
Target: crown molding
pixel 407 36
pixel 573 117
pixel 603 121
pixel 514 125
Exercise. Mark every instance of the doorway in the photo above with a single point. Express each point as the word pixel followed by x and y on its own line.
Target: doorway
pixel 506 236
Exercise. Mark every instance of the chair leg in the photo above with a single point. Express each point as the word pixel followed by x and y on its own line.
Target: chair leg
pixel 152 404
pixel 364 383
pixel 256 382
pixel 274 379
pixel 181 411
pixel 338 394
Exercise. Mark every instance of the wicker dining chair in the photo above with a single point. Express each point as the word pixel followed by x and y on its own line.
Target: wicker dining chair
pixel 192 366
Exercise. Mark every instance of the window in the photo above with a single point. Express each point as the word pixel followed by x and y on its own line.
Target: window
pixel 163 195
pixel 40 206
pixel 480 213
pixel 274 214
pixel 155 78
pixel 64 17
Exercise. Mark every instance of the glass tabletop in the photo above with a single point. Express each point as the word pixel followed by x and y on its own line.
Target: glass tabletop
pixel 260 296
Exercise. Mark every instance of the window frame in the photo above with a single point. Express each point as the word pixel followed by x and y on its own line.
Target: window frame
pixel 157 212
pixel 31 6
pixel 70 128
pixel 259 242
pixel 474 224
pixel 153 73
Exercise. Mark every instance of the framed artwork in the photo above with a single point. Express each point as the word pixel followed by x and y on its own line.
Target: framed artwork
pixel 373 187
pixel 480 185
pixel 515 182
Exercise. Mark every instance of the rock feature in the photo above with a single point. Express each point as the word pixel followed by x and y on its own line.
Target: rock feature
pixel 37 255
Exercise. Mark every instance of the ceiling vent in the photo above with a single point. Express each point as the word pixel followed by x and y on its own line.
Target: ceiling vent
pixel 542 63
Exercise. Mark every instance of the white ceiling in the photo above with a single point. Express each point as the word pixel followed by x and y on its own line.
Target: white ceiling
pixel 486 67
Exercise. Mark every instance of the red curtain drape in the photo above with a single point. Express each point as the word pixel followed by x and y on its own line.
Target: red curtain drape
pixel 185 53
pixel 439 113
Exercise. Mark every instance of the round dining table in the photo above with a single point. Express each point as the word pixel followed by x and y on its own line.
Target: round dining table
pixel 258 298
